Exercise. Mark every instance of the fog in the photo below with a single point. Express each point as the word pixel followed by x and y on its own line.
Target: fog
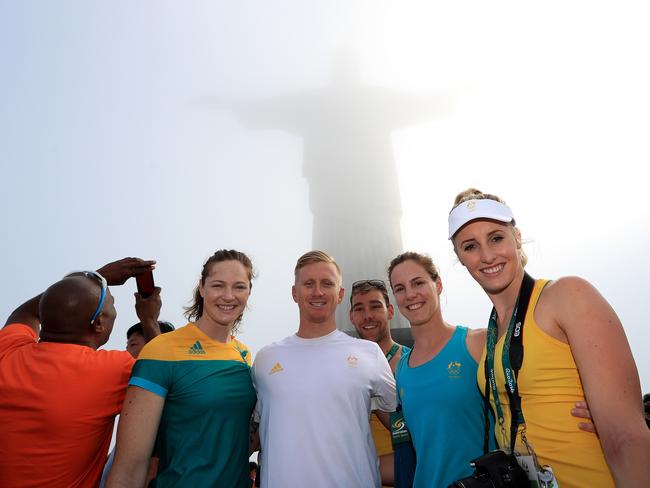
pixel 167 131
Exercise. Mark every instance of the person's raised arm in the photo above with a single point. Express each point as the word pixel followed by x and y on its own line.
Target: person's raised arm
pixel 136 435
pixel 27 314
pixel 609 377
pixel 117 272
pixel 148 310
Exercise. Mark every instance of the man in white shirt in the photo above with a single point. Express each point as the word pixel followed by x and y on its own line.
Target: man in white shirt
pixel 316 390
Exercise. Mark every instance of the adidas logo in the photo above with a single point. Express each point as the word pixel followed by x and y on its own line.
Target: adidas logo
pixel 276 369
pixel 197 348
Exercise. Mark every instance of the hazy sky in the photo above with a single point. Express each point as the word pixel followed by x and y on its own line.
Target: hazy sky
pixel 106 150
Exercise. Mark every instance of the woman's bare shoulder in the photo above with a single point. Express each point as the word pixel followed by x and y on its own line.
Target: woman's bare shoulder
pixel 476 342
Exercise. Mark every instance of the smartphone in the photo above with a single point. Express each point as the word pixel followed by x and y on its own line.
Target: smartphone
pixel 145 284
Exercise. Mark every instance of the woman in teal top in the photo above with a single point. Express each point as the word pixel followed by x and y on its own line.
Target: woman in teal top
pixel 192 390
pixel 436 380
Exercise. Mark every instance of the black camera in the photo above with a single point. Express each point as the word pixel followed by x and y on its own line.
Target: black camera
pixel 496 469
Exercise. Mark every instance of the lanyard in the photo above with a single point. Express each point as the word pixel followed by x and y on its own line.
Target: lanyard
pixel 398 431
pixel 393 350
pixel 512 359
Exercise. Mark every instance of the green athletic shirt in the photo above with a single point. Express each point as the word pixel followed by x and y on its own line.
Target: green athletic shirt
pixel 209 398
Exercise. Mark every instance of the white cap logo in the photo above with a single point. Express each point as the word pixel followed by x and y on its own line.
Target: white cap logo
pixel 478 209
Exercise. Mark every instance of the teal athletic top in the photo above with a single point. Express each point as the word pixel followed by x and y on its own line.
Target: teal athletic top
pixel 209 398
pixel 443 409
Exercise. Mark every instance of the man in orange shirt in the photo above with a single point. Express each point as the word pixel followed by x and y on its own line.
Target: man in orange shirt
pixel 59 395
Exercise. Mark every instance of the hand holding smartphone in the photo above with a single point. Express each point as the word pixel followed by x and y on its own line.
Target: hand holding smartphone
pixel 145 284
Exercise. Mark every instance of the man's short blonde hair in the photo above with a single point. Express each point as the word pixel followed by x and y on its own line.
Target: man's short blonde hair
pixel 312 257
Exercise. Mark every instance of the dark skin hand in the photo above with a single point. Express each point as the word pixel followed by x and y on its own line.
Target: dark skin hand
pixel 147 310
pixel 117 272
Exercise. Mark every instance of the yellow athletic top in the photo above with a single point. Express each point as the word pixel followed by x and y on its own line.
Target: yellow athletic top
pixel 549 386
pixel 381 436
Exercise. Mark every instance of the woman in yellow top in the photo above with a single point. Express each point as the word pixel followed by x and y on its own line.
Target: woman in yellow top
pixel 574 347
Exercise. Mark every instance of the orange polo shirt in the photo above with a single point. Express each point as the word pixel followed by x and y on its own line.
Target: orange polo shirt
pixel 58 403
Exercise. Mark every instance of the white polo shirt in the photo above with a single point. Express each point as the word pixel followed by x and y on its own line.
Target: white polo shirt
pixel 314 398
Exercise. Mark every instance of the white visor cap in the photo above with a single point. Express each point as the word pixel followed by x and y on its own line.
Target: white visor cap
pixel 478 209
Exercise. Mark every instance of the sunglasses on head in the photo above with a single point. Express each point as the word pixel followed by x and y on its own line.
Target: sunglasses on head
pixel 93 275
pixel 372 283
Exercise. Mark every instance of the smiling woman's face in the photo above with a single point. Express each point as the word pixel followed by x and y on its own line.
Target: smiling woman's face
pixel 416 293
pixel 225 292
pixel 490 251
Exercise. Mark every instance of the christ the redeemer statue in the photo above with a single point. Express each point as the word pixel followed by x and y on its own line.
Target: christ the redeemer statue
pixel 349 166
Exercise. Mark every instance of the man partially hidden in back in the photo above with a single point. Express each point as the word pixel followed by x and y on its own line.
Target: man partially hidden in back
pixel 371 313
pixel 135 339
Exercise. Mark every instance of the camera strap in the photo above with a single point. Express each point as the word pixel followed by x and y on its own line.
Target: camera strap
pixel 512 359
